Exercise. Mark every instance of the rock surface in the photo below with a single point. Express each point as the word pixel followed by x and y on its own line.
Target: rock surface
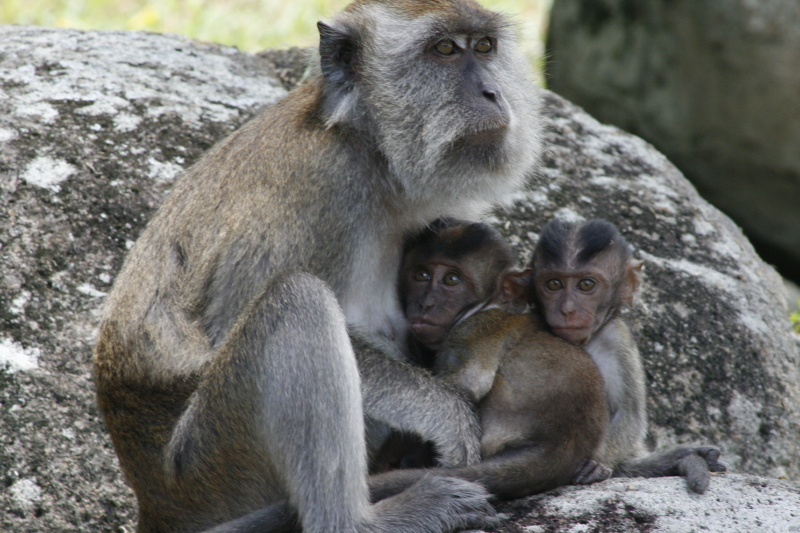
pixel 712 84
pixel 95 126
pixel 736 503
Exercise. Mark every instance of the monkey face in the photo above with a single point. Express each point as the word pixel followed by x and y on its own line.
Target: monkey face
pixel 440 89
pixel 575 303
pixel 437 295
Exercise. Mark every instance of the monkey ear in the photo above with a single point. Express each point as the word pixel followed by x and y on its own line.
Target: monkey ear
pixel 338 55
pixel 514 291
pixel 633 277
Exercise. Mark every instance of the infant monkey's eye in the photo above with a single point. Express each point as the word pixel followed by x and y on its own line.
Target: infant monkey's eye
pixel 586 285
pixel 452 278
pixel 422 275
pixel 553 284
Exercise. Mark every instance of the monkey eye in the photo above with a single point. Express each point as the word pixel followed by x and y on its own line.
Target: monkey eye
pixel 586 285
pixel 445 47
pixel 451 279
pixel 554 284
pixel 483 45
pixel 422 274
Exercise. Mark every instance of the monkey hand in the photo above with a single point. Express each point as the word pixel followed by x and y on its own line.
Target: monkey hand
pixel 591 472
pixel 457 438
pixel 448 504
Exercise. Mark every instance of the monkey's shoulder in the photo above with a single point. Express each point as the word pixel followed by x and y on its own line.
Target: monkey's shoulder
pixel 538 350
pixel 487 327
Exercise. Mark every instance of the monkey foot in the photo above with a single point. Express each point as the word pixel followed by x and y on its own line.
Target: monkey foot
pixel 591 472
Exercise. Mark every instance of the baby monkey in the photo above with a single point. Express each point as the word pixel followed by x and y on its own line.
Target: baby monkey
pixel 541 400
pixel 584 276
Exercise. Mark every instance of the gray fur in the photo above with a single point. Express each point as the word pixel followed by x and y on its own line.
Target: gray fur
pixel 224 366
pixel 617 357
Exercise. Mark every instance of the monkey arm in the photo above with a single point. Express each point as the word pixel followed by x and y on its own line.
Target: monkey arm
pixel 401 396
pixel 486 333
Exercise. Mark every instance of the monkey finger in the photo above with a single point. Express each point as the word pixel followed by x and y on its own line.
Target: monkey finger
pixel 591 472
pixel 466 504
pixel 711 455
pixel 718 467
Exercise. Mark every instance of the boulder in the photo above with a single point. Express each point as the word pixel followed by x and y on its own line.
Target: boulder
pixel 712 84
pixel 95 126
pixel 736 502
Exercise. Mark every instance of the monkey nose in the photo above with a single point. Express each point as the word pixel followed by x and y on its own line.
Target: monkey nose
pixel 491 94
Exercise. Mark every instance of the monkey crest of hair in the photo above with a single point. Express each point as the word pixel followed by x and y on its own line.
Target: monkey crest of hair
pixel 256 322
pixel 588 240
pixel 427 122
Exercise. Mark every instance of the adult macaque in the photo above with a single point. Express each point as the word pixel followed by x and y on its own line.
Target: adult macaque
pixel 584 275
pixel 234 396
pixel 541 400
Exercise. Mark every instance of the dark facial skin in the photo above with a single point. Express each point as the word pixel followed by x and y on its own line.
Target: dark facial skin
pixel 576 303
pixel 469 54
pixel 437 294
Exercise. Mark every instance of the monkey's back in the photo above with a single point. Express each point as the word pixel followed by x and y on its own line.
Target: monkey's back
pixel 546 393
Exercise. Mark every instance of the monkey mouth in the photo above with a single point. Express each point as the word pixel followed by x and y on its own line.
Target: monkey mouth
pixel 488 130
pixel 429 334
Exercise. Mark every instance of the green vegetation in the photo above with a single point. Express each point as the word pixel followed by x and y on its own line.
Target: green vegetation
pixel 795 318
pixel 250 25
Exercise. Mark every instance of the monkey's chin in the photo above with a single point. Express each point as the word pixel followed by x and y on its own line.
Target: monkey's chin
pixel 429 335
pixel 576 336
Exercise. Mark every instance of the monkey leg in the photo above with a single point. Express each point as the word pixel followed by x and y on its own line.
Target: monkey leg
pixel 694 464
pixel 277 416
pixel 512 473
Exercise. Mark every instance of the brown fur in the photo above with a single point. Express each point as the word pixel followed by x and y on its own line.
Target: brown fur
pixel 541 400
pixel 544 416
pixel 591 319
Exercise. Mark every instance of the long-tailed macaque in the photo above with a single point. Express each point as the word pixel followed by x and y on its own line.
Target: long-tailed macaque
pixel 584 275
pixel 225 365
pixel 541 400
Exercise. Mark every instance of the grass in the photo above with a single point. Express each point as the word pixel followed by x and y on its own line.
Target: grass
pixel 250 25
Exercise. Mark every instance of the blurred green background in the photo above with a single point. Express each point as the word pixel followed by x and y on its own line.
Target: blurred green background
pixel 250 25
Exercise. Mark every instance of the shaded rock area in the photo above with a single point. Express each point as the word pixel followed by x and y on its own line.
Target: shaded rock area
pixel 95 126
pixel 713 84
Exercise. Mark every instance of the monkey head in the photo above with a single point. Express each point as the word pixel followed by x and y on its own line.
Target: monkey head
pixel 583 276
pixel 442 91
pixel 452 269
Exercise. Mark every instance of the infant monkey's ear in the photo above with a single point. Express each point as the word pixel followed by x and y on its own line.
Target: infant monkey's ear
pixel 515 291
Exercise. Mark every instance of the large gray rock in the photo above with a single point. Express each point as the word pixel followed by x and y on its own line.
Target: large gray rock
pixel 93 129
pixel 95 126
pixel 736 504
pixel 714 84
